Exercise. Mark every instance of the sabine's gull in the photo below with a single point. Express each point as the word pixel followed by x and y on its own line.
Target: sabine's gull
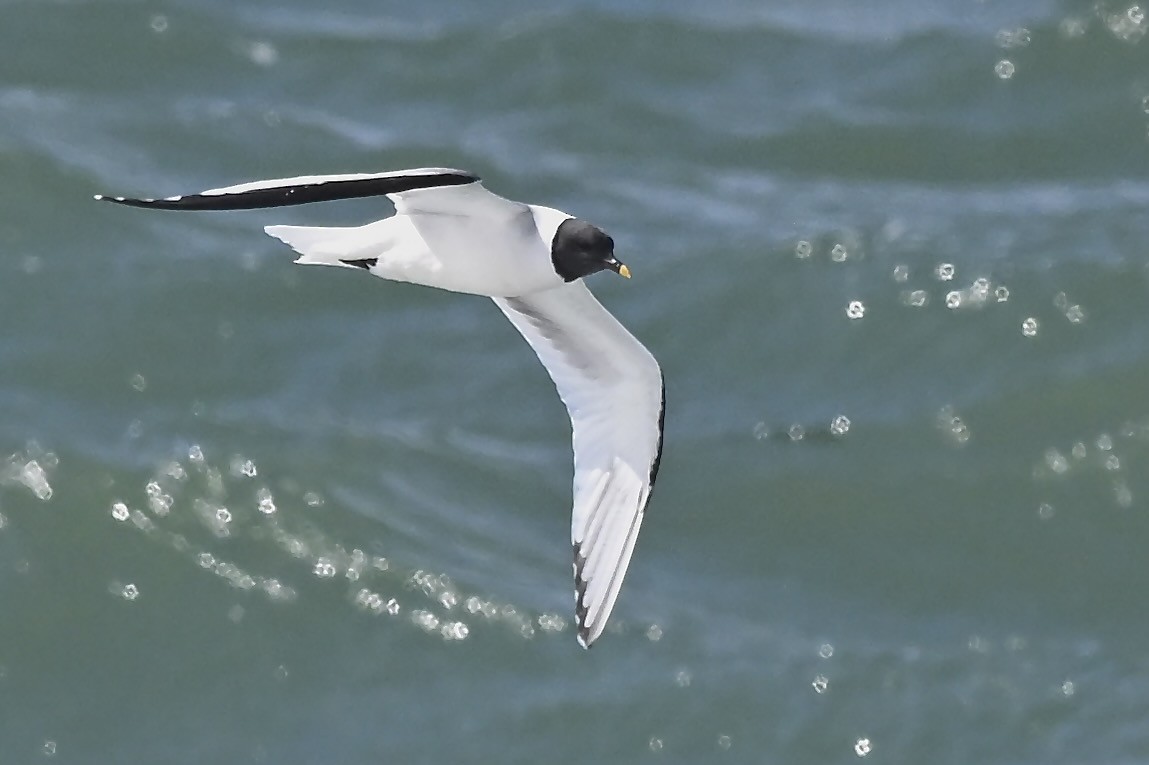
pixel 450 232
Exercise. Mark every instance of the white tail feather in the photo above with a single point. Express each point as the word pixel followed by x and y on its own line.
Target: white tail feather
pixel 326 246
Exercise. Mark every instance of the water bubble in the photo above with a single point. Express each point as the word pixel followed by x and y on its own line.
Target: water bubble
pixel 953 300
pixel 369 600
pixel 294 546
pixel 324 568
pixel 143 522
pixel 159 23
pixel 49 748
pixel 855 310
pixel 263 53
pixel 455 631
pixel 223 515
pixel 1079 451
pixel 161 504
pixel 1056 461
pixel 979 290
pixel 1071 27
pixel 943 272
pixel 840 425
pixel 821 683
pixel 393 607
pixel 724 742
pixel 195 454
pixel 953 425
pixel 682 678
pixel 862 747
pixel 175 470
pixel 33 475
pixel 761 431
pixel 1068 688
pixel 796 432
pixel 425 620
pixel 916 298
pixel 1112 462
pixel 893 230
pixel 1127 26
pixel 448 599
pixel 1012 38
pixel 313 499
pixel 242 467
pixel 130 592
pixel 1122 494
pixel 1029 327
pixel 1004 69
pixel 277 590
pixel 266 501
pixel 32 264
pixel 654 633
pixel 551 623
pixel 838 254
pixel 826 650
pixel 655 744
pixel 1045 511
pixel 1001 293
pixel 1145 104
pixel 1075 314
pixel 1105 442
pixel 803 250
pixel 138 382
pixel 901 273
pixel 120 511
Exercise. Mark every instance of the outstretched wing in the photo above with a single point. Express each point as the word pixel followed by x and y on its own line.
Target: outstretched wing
pixel 283 192
pixel 613 389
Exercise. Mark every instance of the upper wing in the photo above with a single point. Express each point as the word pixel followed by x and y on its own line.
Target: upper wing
pixel 282 192
pixel 614 391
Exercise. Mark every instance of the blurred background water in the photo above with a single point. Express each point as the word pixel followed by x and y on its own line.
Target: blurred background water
pixel 891 256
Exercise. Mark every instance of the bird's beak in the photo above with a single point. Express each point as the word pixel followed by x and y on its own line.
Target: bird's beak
pixel 618 268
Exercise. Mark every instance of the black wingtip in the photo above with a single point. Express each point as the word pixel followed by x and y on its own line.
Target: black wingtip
pixel 301 193
pixel 582 628
pixel 129 202
pixel 171 203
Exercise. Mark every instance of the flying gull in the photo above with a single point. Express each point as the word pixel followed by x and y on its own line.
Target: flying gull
pixel 450 232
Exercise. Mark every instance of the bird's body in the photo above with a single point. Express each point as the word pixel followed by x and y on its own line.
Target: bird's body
pixel 451 233
pixel 427 242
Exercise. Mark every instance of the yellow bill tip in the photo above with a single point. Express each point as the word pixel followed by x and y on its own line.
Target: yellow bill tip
pixel 624 271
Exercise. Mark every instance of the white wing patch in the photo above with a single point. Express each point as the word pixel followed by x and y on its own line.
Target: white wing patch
pixel 613 389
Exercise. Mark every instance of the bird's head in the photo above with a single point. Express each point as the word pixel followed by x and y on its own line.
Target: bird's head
pixel 580 249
